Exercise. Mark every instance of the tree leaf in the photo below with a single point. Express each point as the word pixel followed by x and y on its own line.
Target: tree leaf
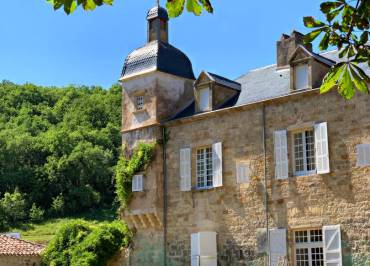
pixel 175 7
pixel 345 86
pixel 310 22
pixel 207 5
pixel 331 78
pixel 312 35
pixel 359 82
pixel 327 7
pixel 194 7
pixel 324 42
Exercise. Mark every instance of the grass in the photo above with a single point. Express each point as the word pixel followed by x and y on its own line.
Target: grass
pixel 43 232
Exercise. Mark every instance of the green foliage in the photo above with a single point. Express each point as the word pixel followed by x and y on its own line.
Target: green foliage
pixel 127 167
pixel 13 208
pixel 347 28
pixel 79 244
pixel 36 214
pixel 59 146
pixel 175 7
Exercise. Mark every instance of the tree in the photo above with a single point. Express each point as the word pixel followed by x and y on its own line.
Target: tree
pixel 175 7
pixel 347 29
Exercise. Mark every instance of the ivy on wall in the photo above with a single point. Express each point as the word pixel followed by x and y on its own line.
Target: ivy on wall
pixel 127 167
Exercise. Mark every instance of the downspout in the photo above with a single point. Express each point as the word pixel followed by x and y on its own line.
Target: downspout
pixel 164 144
pixel 265 181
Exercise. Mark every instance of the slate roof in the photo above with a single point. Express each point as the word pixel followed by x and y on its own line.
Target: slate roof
pixel 158 55
pixel 223 81
pixel 17 247
pixel 157 12
pixel 265 83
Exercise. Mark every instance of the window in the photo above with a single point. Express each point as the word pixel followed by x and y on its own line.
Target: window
pixel 309 249
pixel 363 155
pixel 139 102
pixel 137 183
pixel 203 248
pixel 242 172
pixel 301 77
pixel 204 168
pixel 204 99
pixel 304 152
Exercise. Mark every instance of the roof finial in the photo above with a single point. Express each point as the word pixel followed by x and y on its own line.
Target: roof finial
pixel 158 3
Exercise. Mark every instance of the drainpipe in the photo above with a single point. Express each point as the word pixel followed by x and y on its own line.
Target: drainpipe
pixel 164 144
pixel 265 181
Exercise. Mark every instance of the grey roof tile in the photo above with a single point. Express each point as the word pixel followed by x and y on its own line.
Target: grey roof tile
pixel 160 56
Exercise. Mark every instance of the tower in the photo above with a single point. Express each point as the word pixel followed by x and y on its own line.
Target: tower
pixel 157 80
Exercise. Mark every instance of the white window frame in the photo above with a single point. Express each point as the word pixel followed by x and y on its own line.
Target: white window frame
pixel 137 183
pixel 308 245
pixel 305 171
pixel 207 174
pixel 139 102
pixel 201 107
pixel 297 68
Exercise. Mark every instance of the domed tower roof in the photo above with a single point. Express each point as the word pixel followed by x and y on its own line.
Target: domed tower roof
pixel 157 12
pixel 157 54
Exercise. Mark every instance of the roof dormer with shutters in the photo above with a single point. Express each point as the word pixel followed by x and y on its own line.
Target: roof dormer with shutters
pixel 212 91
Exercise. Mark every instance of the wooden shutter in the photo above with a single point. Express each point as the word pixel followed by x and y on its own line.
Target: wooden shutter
pixel 281 154
pixel 322 148
pixel 185 169
pixel 217 164
pixel 278 248
pixel 137 183
pixel 242 173
pixel 204 249
pixel 363 155
pixel 332 245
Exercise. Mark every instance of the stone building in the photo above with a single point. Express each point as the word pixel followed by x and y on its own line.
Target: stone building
pixel 17 252
pixel 254 171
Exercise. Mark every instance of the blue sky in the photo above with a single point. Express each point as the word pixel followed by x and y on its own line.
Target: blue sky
pixel 45 47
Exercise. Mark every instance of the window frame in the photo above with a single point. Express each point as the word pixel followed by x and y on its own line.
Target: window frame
pixel 141 106
pixel 303 131
pixel 295 76
pixel 309 245
pixel 204 176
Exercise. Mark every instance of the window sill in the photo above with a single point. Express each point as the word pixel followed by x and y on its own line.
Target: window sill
pixel 303 174
pixel 202 188
pixel 139 111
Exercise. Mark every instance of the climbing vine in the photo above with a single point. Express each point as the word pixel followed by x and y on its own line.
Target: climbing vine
pixel 127 167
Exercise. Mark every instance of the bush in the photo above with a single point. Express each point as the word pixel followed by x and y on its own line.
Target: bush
pixel 57 206
pixel 13 207
pixel 36 214
pixel 78 244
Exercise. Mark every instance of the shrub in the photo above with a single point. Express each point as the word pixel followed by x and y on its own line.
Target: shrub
pixel 36 214
pixel 78 244
pixel 13 207
pixel 57 206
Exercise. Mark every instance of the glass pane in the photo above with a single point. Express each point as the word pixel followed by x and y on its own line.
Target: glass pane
pixel 310 150
pixel 301 77
pixel 301 236
pixel 316 235
pixel 203 99
pixel 301 256
pixel 317 256
pixel 298 152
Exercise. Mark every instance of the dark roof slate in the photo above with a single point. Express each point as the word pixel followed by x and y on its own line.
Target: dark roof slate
pixel 223 81
pixel 266 83
pixel 160 56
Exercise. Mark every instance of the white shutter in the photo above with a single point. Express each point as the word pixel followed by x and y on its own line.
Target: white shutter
pixel 332 245
pixel 363 155
pixel 217 164
pixel 281 154
pixel 242 173
pixel 137 183
pixel 185 169
pixel 278 248
pixel 322 148
pixel 204 249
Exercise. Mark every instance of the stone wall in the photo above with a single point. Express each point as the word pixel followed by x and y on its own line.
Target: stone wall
pixel 8 260
pixel 237 212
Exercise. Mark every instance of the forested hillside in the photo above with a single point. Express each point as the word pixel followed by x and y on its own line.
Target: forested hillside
pixel 58 149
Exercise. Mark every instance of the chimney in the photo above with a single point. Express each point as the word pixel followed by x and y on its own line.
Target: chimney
pixel 286 47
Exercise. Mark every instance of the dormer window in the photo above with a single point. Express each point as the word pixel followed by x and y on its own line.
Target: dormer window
pixel 139 102
pixel 301 77
pixel 204 103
